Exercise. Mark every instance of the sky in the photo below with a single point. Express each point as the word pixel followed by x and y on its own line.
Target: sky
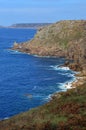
pixel 40 11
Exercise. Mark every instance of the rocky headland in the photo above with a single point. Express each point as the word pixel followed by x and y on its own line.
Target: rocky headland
pixel 66 110
pixel 62 39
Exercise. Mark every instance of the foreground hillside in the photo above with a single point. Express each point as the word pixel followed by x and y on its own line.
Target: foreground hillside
pixel 66 111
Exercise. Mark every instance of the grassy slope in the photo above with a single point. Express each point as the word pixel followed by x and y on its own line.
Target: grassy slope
pixel 66 111
pixel 60 33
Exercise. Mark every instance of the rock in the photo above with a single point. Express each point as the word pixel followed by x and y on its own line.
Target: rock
pixel 16 45
pixel 56 95
pixel 75 66
pixel 66 63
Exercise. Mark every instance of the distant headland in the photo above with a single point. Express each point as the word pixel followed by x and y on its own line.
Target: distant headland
pixel 26 25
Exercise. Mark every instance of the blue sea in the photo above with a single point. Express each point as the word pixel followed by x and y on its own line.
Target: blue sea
pixel 27 81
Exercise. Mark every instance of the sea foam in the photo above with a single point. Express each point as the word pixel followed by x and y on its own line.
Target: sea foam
pixel 57 67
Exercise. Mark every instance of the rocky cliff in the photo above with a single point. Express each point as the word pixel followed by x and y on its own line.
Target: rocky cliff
pixel 63 39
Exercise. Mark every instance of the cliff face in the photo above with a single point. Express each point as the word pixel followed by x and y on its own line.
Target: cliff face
pixel 63 39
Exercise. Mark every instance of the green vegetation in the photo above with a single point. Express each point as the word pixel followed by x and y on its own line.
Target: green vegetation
pixel 66 111
pixel 63 31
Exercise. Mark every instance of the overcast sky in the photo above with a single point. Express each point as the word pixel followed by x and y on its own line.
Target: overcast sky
pixel 39 11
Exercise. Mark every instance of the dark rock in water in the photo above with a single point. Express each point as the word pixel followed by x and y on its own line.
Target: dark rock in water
pixel 75 66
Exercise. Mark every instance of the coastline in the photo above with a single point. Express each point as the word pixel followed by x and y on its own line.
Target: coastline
pixel 78 79
pixel 54 100
pixel 58 99
pixel 64 88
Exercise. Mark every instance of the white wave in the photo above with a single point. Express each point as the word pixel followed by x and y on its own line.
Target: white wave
pixel 14 51
pixel 6 118
pixel 56 67
pixel 68 75
pixel 41 56
pixel 64 68
pixel 62 86
pixel 37 56
pixel 48 97
pixel 68 85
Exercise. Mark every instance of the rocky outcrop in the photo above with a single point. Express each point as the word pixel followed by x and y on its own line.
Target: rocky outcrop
pixel 62 39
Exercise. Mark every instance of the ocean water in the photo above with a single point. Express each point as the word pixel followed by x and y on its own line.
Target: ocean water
pixel 27 81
